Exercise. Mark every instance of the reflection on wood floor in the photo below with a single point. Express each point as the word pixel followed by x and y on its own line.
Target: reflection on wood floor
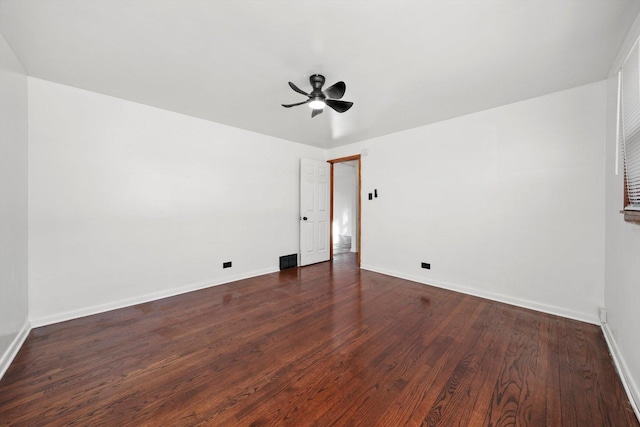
pixel 322 345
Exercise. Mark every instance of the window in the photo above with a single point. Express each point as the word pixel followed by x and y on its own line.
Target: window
pixel 629 131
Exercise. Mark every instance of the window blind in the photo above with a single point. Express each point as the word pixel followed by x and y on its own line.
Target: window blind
pixel 629 121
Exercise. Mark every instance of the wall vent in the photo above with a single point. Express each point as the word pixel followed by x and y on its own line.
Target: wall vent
pixel 288 261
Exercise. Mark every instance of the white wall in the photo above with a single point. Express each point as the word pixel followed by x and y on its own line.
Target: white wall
pixel 622 251
pixel 130 202
pixel 505 203
pixel 13 206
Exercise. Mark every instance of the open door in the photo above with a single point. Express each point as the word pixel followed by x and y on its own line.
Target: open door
pixel 315 212
pixel 358 200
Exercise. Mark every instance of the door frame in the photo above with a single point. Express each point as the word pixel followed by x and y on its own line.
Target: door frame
pixel 358 203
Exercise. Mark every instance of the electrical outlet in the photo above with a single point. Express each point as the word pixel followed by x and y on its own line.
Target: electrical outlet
pixel 226 264
pixel 426 265
pixel 602 313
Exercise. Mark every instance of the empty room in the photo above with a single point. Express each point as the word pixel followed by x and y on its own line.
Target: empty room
pixel 319 213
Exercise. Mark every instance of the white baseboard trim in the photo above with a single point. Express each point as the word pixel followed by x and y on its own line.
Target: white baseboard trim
pixel 531 305
pixel 101 308
pixel 14 348
pixel 632 389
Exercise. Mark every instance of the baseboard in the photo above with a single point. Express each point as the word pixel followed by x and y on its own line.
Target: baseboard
pixel 101 308
pixel 14 348
pixel 630 386
pixel 531 305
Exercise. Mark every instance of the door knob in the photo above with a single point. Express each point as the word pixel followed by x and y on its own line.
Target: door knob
pixel 304 218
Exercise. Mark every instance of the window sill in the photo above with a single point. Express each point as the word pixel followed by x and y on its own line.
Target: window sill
pixel 631 216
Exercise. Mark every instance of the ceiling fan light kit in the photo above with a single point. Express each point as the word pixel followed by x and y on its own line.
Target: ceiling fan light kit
pixel 318 98
pixel 317 104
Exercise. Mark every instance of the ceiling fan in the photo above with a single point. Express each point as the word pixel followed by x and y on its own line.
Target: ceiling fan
pixel 318 98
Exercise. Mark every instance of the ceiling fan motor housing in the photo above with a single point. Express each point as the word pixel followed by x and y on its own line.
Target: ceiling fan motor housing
pixel 317 81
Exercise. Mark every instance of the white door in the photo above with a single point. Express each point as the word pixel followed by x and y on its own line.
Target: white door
pixel 315 183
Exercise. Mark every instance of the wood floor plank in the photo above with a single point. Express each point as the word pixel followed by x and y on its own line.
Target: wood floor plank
pixel 420 399
pixel 327 344
pixel 515 389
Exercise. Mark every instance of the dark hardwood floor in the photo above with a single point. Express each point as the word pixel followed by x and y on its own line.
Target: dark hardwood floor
pixel 321 345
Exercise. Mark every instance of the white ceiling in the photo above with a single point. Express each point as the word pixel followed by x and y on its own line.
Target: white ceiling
pixel 405 63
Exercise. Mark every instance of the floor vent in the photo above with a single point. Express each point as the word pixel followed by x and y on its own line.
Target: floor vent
pixel 288 261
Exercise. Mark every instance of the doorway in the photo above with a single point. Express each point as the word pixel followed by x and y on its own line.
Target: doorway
pixel 346 230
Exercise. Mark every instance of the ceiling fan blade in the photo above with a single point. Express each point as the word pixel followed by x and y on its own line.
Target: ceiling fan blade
pixel 293 105
pixel 315 112
pixel 339 106
pixel 335 91
pixel 297 89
